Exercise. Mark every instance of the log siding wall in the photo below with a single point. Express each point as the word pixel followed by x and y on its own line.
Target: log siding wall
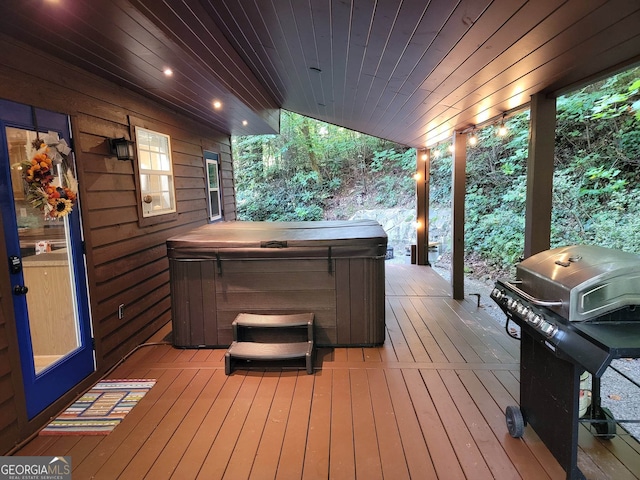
pixel 126 263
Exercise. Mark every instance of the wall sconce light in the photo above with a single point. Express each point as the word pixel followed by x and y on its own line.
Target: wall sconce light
pixel 121 148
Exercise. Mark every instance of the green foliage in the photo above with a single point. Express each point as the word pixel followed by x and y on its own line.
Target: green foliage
pixel 600 181
pixel 496 192
pixel 596 178
pixel 391 160
pixel 294 175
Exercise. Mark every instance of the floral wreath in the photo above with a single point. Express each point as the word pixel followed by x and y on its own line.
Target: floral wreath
pixel 53 196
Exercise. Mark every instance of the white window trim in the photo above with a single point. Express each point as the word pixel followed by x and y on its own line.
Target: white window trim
pixel 212 158
pixel 168 173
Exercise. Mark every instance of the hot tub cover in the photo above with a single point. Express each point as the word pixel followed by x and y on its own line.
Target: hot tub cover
pixel 364 238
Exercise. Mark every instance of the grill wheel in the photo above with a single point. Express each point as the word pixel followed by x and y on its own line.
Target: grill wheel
pixel 606 430
pixel 515 421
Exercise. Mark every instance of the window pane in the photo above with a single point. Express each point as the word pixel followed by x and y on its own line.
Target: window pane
pixel 213 174
pixel 165 182
pixel 163 163
pixel 166 200
pixel 156 173
pixel 143 139
pixel 154 160
pixel 154 183
pixel 144 159
pixel 215 204
pixel 213 183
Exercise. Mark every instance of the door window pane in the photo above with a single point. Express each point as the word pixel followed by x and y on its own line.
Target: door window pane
pixel 46 264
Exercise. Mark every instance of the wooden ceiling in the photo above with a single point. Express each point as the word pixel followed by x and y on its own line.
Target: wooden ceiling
pixel 410 71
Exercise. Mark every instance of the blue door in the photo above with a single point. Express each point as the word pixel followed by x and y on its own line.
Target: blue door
pixel 44 246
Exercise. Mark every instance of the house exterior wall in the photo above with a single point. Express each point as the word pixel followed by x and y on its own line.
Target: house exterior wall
pixel 126 262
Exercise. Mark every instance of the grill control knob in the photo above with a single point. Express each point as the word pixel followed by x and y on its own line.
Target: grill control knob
pixel 536 319
pixel 496 294
pixel 548 329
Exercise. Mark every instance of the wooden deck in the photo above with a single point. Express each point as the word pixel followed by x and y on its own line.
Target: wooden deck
pixel 427 404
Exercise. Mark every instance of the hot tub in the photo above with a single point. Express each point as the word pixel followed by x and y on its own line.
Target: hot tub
pixel 334 269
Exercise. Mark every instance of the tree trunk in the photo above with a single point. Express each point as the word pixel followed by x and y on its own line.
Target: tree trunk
pixel 313 159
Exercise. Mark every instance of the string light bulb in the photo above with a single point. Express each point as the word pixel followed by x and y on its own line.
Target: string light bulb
pixel 502 129
pixel 473 139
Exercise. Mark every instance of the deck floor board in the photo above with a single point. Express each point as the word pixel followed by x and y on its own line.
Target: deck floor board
pixel 392 457
pixel 265 463
pixel 294 444
pixel 428 404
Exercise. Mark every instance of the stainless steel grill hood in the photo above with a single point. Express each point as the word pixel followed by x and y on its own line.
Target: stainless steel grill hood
pixel 581 282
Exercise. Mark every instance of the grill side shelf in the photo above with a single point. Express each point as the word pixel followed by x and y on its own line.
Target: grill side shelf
pixel 620 339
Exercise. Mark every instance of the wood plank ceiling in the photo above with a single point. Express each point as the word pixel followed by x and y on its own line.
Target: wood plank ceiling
pixel 410 71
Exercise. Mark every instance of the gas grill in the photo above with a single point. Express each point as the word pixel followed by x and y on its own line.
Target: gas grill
pixel 578 308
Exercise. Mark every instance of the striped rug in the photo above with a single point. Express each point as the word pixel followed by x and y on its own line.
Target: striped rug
pixel 101 409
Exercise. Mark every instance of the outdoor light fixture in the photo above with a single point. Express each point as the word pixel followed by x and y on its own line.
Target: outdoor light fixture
pixel 502 129
pixel 473 139
pixel 121 148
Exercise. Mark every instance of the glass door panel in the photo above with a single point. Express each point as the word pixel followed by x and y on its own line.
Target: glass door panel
pixel 46 264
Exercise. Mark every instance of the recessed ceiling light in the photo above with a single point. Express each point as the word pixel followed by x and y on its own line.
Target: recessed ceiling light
pixel 217 104
pixel 245 123
pixel 168 72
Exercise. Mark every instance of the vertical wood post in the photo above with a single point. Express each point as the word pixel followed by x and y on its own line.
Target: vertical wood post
pixel 422 206
pixel 458 190
pixel 537 231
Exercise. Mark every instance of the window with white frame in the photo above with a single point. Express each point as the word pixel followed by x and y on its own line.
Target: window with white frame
pixel 157 192
pixel 212 162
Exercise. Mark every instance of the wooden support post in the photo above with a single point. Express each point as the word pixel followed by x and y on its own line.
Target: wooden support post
pixel 537 231
pixel 422 206
pixel 458 190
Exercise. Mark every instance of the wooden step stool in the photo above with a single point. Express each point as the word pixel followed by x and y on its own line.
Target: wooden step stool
pixel 271 338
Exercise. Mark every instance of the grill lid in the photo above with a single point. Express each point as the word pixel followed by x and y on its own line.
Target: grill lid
pixel 585 281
